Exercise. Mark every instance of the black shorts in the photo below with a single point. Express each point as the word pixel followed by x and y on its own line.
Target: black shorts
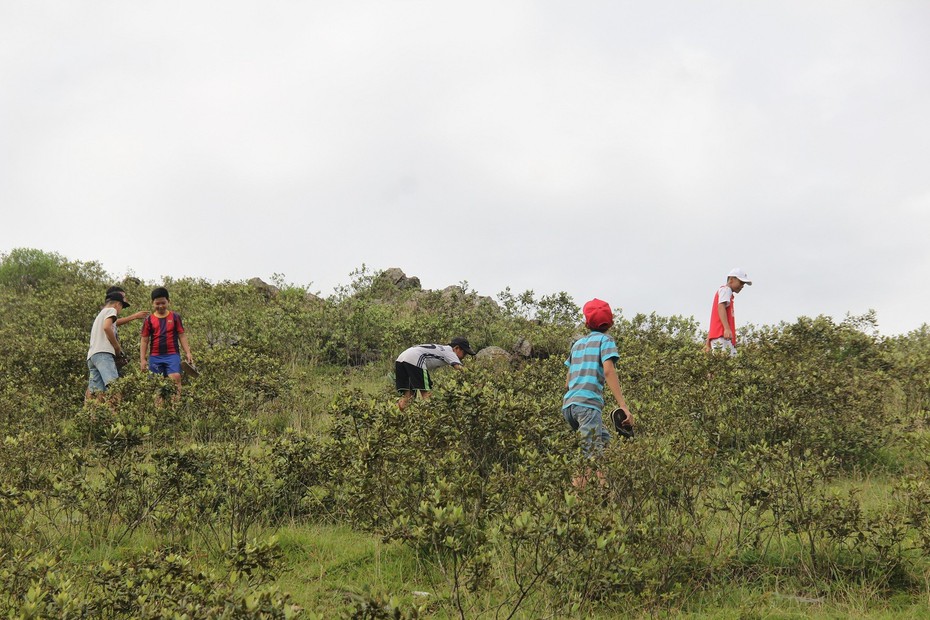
pixel 408 377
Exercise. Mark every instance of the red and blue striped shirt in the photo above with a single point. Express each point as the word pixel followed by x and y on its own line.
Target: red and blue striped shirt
pixel 163 333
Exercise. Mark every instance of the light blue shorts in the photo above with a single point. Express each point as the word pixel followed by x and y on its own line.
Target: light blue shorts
pixel 590 423
pixel 102 367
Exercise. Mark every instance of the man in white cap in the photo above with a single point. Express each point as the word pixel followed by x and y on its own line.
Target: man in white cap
pixel 722 333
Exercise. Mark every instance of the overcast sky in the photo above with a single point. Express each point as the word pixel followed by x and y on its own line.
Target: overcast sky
pixel 632 151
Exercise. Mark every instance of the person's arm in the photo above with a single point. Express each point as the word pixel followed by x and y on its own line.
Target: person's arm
pixel 143 352
pixel 613 382
pixel 722 313
pixel 182 338
pixel 141 314
pixel 111 335
pixel 451 358
pixel 568 376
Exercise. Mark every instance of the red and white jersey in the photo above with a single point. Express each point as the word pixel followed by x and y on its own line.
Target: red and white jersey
pixel 724 295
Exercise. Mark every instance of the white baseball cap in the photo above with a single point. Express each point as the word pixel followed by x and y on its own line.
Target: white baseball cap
pixel 740 275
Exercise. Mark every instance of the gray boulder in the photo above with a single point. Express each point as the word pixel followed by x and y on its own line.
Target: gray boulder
pixel 523 348
pixel 493 353
pixel 452 292
pixel 395 277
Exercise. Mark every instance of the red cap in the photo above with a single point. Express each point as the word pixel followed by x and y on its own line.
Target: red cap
pixel 597 314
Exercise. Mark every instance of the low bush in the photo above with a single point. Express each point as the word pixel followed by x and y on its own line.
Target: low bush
pixel 742 469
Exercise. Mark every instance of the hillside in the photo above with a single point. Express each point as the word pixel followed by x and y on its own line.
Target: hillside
pixel 285 482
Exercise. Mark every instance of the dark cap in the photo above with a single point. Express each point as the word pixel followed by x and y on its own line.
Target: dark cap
pixel 461 343
pixel 117 296
pixel 161 291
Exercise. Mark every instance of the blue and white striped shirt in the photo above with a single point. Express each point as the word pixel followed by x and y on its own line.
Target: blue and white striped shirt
pixel 586 370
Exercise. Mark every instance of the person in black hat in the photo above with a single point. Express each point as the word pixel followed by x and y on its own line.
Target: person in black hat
pixel 122 320
pixel 104 352
pixel 411 369
pixel 104 346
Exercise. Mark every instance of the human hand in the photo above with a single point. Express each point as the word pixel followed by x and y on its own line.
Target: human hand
pixel 622 421
pixel 629 416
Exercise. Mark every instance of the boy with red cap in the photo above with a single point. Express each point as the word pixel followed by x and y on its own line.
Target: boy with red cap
pixel 722 333
pixel 591 365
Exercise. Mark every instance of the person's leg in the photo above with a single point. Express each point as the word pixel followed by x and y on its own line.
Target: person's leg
pixel 595 438
pixel 166 366
pixel 580 480
pixel 402 383
pixel 176 377
pixel 569 416
pixel 104 365
pixel 592 430
pixel 408 395
pixel 173 367
pixel 405 397
pixel 724 345
pixel 422 383
pixel 95 384
pixel 411 381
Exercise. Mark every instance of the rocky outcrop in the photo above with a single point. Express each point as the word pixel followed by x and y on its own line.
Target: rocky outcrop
pixel 396 278
pixel 523 348
pixel 268 291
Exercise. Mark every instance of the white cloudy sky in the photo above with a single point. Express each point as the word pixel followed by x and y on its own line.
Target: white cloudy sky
pixel 633 151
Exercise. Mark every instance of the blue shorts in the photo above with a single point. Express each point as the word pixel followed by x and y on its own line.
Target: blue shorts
pixel 102 367
pixel 590 424
pixel 165 364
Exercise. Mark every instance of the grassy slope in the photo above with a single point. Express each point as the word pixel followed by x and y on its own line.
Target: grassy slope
pixel 327 564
